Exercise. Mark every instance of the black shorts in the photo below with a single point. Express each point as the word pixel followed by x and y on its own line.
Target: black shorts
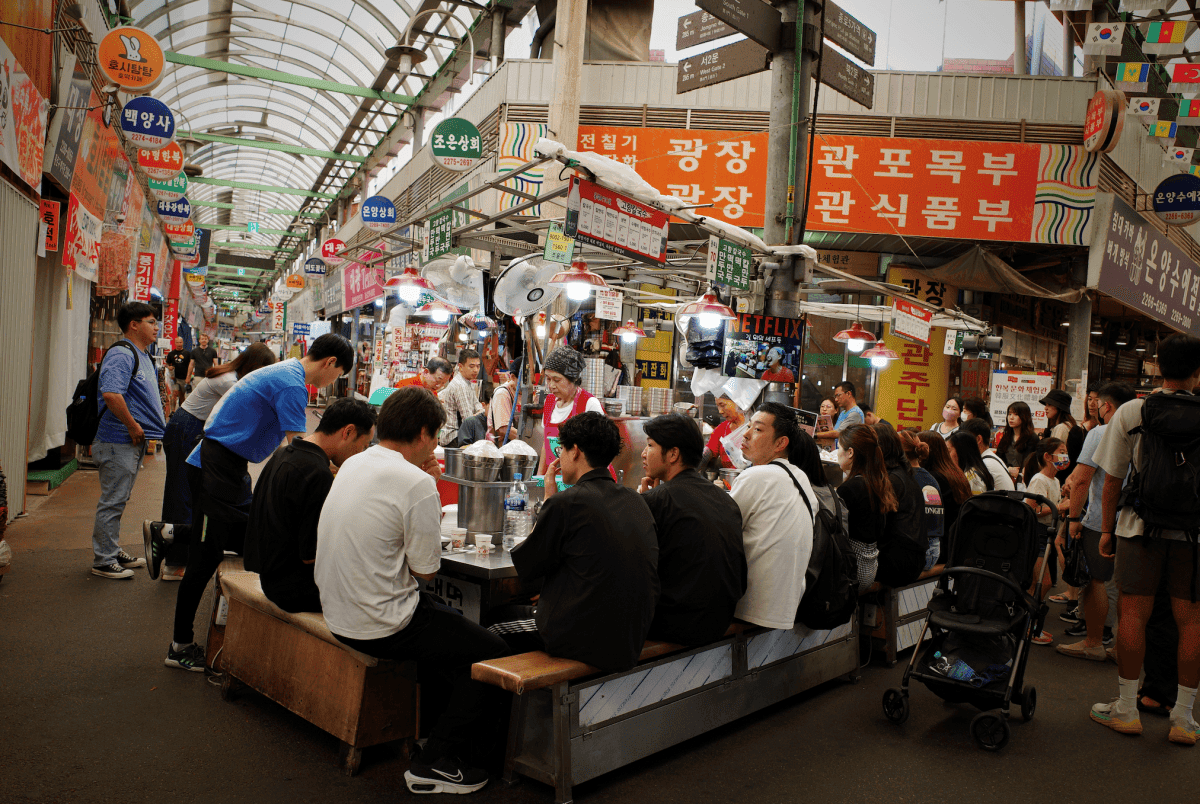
pixel 1142 562
pixel 1099 567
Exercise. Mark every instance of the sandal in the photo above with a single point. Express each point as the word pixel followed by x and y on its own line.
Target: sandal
pixel 1157 709
pixel 1061 598
pixel 1042 638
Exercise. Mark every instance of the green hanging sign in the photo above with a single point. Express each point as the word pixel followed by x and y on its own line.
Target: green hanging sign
pixel 456 144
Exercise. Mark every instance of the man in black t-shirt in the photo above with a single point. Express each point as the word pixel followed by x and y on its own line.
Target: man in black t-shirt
pixel 594 546
pixel 281 534
pixel 701 559
pixel 204 357
pixel 179 363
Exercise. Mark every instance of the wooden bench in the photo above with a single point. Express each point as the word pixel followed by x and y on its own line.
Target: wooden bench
pixel 296 661
pixel 571 723
pixel 893 623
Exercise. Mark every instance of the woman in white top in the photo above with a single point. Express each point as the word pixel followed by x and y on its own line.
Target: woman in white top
pixel 951 412
pixel 184 431
pixel 563 370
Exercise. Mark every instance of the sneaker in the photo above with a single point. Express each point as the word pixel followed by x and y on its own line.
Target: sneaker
pixel 1043 638
pixel 1071 615
pixel 156 546
pixel 113 570
pixel 1109 715
pixel 129 562
pixel 172 573
pixel 1183 730
pixel 446 775
pixel 1109 637
pixel 190 658
pixel 1081 650
pixel 1079 629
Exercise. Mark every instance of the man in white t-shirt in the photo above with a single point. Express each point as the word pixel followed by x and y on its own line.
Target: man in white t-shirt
pixel 1143 561
pixel 1001 479
pixel 777 527
pixel 378 540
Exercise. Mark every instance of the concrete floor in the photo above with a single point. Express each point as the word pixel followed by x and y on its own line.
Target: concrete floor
pixel 90 714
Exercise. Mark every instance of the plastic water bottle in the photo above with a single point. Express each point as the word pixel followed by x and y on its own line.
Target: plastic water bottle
pixel 516 518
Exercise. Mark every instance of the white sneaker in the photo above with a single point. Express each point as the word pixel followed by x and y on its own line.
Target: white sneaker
pixel 1183 731
pixel 1109 714
pixel 113 570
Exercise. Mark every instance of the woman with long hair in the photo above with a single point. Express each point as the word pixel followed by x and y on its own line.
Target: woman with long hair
pixel 964 449
pixel 183 433
pixel 1091 419
pixel 917 451
pixel 951 412
pixel 901 550
pixel 950 479
pixel 1018 438
pixel 867 494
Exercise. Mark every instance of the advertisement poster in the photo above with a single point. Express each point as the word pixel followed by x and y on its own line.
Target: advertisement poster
pixel 23 113
pixel 82 250
pixel 611 221
pixel 910 392
pixel 49 213
pixel 170 322
pixel 1020 386
pixel 80 95
pixel 763 347
pixel 145 277
pixel 1017 192
pixel 361 284
pixel 608 305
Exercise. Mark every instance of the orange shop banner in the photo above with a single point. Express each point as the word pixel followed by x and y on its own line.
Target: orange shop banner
pixel 910 392
pixel 1015 192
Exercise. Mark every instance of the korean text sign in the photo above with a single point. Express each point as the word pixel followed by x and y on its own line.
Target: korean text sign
pixel 361 284
pixel 600 217
pixel 1020 386
pixel 144 278
pixel 1144 270
pixel 911 390
pixel 1017 192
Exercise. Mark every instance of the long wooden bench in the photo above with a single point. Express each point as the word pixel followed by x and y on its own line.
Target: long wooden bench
pixel 893 622
pixel 571 723
pixel 296 661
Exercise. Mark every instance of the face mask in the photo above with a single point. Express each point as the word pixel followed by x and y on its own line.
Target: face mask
pixel 948 414
pixel 1061 462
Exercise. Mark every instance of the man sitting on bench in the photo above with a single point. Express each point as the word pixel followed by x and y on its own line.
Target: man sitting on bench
pixel 595 547
pixel 777 526
pixel 281 534
pixel 701 563
pixel 378 541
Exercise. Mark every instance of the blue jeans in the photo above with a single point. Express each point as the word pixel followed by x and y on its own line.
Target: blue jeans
pixel 932 552
pixel 119 465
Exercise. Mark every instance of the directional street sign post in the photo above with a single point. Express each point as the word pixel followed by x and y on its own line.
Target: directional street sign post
pixel 848 78
pixel 754 18
pixel 722 64
pixel 848 33
pixel 700 27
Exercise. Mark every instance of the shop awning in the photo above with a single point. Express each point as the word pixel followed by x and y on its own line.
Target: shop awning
pixel 980 269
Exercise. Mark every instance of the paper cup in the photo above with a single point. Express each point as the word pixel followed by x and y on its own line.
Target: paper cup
pixel 458 538
pixel 483 544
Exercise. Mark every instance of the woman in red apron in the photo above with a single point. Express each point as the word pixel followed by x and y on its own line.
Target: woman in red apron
pixel 563 370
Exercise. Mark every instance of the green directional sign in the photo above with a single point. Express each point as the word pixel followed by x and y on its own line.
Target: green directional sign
pixel 252 227
pixel 169 190
pixel 440 227
pixel 728 263
pixel 456 144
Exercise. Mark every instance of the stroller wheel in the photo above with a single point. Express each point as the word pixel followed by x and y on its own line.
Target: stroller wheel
pixel 895 706
pixel 990 730
pixel 1028 703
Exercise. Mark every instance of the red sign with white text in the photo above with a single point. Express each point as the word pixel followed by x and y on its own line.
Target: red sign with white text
pixel 144 279
pixel 50 211
pixel 171 319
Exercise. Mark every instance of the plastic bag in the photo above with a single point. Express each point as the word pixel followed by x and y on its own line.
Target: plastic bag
pixel 705 381
pixel 733 446
pixel 743 391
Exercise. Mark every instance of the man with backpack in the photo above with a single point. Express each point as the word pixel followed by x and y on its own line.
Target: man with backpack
pixel 701 562
pixel 130 413
pixel 1152 529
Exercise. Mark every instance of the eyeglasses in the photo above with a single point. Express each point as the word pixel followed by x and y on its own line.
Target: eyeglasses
pixel 151 321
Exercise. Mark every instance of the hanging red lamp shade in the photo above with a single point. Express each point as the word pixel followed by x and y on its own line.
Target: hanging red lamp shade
pixel 629 332
pixel 578 281
pixel 855 338
pixel 709 309
pixel 410 285
pixel 880 355
pixel 438 310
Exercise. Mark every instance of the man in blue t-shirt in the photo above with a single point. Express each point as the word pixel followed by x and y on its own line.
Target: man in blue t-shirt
pixel 130 413
pixel 851 414
pixel 264 408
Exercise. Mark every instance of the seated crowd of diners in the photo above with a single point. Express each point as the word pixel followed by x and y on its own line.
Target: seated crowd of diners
pixel 678 560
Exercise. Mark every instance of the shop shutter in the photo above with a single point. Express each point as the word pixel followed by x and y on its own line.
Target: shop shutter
pixel 18 272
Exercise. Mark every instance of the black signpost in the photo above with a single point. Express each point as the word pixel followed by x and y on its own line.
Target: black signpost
pixel 848 78
pixel 700 27
pixel 847 32
pixel 722 64
pixel 754 18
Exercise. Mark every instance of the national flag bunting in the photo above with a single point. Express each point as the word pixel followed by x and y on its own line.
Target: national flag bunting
pixel 1164 129
pixel 1143 107
pixel 1104 39
pixel 1143 5
pixel 1194 170
pixel 1133 76
pixel 1178 156
pixel 1070 5
pixel 1165 37
pixel 1189 113
pixel 1185 78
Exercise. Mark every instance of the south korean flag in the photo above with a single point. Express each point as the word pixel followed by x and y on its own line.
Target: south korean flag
pixel 1104 39
pixel 1178 156
pixel 1143 107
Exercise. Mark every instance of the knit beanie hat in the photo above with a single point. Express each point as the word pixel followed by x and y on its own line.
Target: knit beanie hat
pixel 567 362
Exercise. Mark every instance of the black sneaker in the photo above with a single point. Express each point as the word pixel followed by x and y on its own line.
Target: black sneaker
pixel 156 546
pixel 1079 629
pixel 190 658
pixel 1071 615
pixel 129 562
pixel 113 570
pixel 1109 637
pixel 446 775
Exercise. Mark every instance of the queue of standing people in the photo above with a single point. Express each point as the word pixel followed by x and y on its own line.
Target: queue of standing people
pixel 678 560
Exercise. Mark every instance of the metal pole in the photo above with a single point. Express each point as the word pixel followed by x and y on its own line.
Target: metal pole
pixel 1019 39
pixel 1068 46
pixel 563 120
pixel 497 45
pixel 780 150
pixel 808 12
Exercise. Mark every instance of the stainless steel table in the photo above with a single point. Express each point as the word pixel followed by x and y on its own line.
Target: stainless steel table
pixel 474 584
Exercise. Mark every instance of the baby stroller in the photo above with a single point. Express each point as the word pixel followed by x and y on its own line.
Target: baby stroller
pixel 981 618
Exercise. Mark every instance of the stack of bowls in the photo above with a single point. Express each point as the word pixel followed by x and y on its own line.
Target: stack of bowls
pixel 454 461
pixel 482 470
pixel 526 465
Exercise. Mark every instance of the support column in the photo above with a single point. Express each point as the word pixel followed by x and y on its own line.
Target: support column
pixel 1019 38
pixel 563 122
pixel 418 113
pixel 1079 335
pixel 783 68
pixel 1068 46
pixel 498 30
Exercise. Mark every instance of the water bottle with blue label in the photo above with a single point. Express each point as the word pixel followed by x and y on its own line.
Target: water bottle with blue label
pixel 516 513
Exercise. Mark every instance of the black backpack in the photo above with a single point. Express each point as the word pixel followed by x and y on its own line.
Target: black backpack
pixel 83 414
pixel 1164 489
pixel 831 590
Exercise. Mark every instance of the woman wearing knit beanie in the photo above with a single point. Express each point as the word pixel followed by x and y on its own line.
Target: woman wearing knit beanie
pixel 562 371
